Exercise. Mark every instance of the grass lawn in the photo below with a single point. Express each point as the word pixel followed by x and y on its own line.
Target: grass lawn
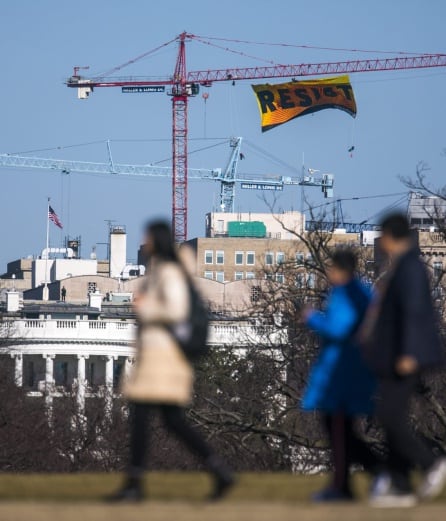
pixel 178 497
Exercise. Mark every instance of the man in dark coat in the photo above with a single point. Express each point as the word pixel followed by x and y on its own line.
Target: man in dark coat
pixel 404 343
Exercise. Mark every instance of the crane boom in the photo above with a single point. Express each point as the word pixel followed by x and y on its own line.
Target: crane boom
pixel 315 69
pixel 85 167
pixel 228 177
pixel 206 77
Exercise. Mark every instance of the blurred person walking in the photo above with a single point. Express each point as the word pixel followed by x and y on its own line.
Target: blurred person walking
pixel 404 344
pixel 340 384
pixel 163 376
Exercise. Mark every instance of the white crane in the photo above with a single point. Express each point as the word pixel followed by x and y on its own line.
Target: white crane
pixel 227 177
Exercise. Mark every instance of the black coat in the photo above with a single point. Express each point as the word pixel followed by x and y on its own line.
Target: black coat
pixel 406 323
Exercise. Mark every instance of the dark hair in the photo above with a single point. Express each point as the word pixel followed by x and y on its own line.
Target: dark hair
pixel 396 225
pixel 163 241
pixel 344 259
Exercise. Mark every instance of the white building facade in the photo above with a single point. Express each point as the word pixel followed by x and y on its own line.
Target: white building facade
pixel 78 350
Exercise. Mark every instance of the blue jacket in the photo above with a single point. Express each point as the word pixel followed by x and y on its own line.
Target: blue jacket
pixel 340 381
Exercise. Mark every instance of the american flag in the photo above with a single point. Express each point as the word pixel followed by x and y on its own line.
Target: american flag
pixel 52 216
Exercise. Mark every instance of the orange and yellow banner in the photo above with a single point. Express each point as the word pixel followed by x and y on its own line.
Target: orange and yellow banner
pixel 285 101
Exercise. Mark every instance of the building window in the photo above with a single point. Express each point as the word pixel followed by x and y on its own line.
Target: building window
pixel 238 275
pixel 250 275
pixel 61 373
pixel 92 287
pixel 209 257
pixel 209 275
pixel 118 368
pixel 91 373
pixel 269 276
pixel 311 281
pixel 269 258
pixel 300 258
pixel 29 374
pixel 438 270
pixel 220 226
pixel 280 257
pixel 220 257
pixel 239 258
pixel 255 293
pixel 220 276
pixel 250 258
pixel 280 278
pixel 300 280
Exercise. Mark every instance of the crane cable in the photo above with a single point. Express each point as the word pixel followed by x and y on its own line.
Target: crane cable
pixel 62 147
pixel 134 60
pixel 359 198
pixel 192 152
pixel 233 51
pixel 315 47
pixel 271 157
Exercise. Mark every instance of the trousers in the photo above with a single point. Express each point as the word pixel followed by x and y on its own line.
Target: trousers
pixel 347 448
pixel 406 451
pixel 175 421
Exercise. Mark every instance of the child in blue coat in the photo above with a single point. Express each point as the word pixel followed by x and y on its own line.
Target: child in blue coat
pixel 340 384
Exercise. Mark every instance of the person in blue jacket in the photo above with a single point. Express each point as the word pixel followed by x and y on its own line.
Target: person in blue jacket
pixel 340 384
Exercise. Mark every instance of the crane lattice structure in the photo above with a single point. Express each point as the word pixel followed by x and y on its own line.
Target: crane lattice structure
pixel 185 84
pixel 227 176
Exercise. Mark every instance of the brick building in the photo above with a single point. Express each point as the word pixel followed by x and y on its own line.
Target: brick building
pixel 228 259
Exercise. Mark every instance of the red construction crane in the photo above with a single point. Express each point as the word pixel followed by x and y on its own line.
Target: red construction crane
pixel 186 84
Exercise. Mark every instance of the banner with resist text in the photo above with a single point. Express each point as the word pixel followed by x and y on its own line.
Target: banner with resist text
pixel 285 101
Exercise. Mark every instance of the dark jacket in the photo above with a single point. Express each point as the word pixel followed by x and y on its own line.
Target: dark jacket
pixel 340 381
pixel 406 321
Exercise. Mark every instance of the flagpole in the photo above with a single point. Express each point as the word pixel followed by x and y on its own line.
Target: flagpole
pixel 45 295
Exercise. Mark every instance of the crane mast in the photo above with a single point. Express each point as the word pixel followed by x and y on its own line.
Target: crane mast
pixel 228 177
pixel 180 96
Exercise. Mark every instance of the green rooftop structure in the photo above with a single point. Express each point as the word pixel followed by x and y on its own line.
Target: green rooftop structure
pixel 246 229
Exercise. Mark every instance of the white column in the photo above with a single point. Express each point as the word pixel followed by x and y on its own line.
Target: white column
pixel 128 366
pixel 18 369
pixel 109 362
pixel 49 385
pixel 81 382
pixel 49 373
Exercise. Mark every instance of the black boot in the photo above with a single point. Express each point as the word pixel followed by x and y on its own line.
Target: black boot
pixel 130 492
pixel 223 478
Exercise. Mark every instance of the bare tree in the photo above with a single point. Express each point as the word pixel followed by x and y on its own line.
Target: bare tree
pixel 248 399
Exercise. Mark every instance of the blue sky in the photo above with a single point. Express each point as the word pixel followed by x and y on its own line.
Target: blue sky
pixel 401 115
